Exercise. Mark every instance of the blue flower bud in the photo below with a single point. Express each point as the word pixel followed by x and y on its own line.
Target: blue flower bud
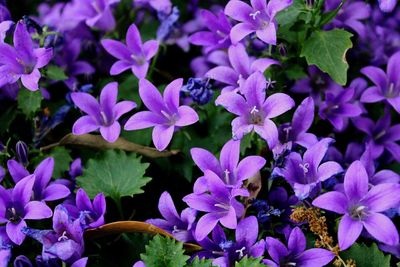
pixel 199 90
pixel 22 152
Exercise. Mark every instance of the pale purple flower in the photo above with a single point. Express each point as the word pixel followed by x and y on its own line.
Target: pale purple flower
pixel 362 207
pixel 255 111
pixel 386 85
pixel 16 207
pixel 5 26
pixel 219 204
pixel 387 5
pixel 227 168
pixel 135 55
pixel 102 115
pixel 258 18
pixel 164 114
pixel 164 6
pixel 295 254
pixel 306 173
pixel 241 67
pixel 22 61
pixel 180 226
pixel 43 188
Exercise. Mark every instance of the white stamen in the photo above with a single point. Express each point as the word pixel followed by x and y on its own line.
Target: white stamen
pixel 305 167
pixel 254 14
pixel 226 176
pixel 222 206
pixel 240 251
pixel 63 237
pixel 254 110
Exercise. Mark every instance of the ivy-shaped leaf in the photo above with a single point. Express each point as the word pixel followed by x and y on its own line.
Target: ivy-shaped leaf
pixel 56 73
pixel 200 263
pixel 164 252
pixel 115 173
pixel 249 262
pixel 327 50
pixel 28 101
pixel 366 256
pixel 62 159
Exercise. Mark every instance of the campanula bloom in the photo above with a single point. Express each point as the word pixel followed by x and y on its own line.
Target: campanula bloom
pixel 219 204
pixel 43 188
pixel 164 114
pixel 102 115
pixel 386 85
pixel 241 67
pixel 387 5
pixel 295 253
pixel 362 207
pixel 180 226
pixel 258 18
pixel 16 207
pixel 135 55
pixel 255 111
pixel 227 168
pixel 23 60
pixel 306 173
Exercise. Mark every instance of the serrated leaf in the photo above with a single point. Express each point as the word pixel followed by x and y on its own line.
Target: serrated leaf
pixel 62 159
pixel 115 173
pixel 249 262
pixel 289 15
pixel 164 252
pixel 56 73
pixel 200 263
pixel 327 50
pixel 28 101
pixel 366 256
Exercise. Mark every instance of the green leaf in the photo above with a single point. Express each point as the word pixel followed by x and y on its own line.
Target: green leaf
pixel 164 252
pixel 6 118
pixel 249 262
pixel 62 159
pixel 28 101
pixel 114 173
pixel 289 15
pixel 366 256
pixel 200 263
pixel 327 50
pixel 56 73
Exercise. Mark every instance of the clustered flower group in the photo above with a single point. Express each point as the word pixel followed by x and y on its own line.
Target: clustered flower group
pixel 306 142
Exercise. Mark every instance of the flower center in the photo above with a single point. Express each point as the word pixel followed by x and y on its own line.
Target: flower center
pixel 172 118
pixel 305 167
pixel 139 60
pixel 391 92
pixel 63 237
pixel 358 212
pixel 255 14
pixel 104 119
pixel 255 116
pixel 12 215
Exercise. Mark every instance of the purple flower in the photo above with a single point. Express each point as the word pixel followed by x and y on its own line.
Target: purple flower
pixel 254 110
pixel 164 114
pixel 362 207
pixel 387 86
pixel 16 207
pixel 227 168
pixel 295 254
pixel 306 173
pixel 219 204
pixel 22 61
pixel 338 106
pixel 258 18
pixel 5 26
pixel 387 5
pixel 181 227
pixel 90 215
pixel 227 252
pixel 65 241
pixel 96 13
pixel 242 66
pixel 217 34
pixel 102 115
pixel 134 55
pixel 43 189
pixel 164 6
pixel 381 135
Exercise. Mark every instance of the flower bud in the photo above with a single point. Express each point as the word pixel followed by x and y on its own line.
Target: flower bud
pixel 22 152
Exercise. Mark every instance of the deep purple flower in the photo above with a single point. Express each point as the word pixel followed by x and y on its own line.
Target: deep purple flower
pixel 22 61
pixel 254 110
pixel 381 135
pixel 387 86
pixel 258 18
pixel 164 114
pixel 65 241
pixel 16 207
pixel 241 67
pixel 219 204
pixel 102 115
pixel 338 107
pixel 90 215
pixel 199 90
pixel 217 34
pixel 295 254
pixel 226 252
pixel 43 188
pixel 306 173
pixel 362 207
pixel 227 168
pixel 135 55
pixel 180 226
